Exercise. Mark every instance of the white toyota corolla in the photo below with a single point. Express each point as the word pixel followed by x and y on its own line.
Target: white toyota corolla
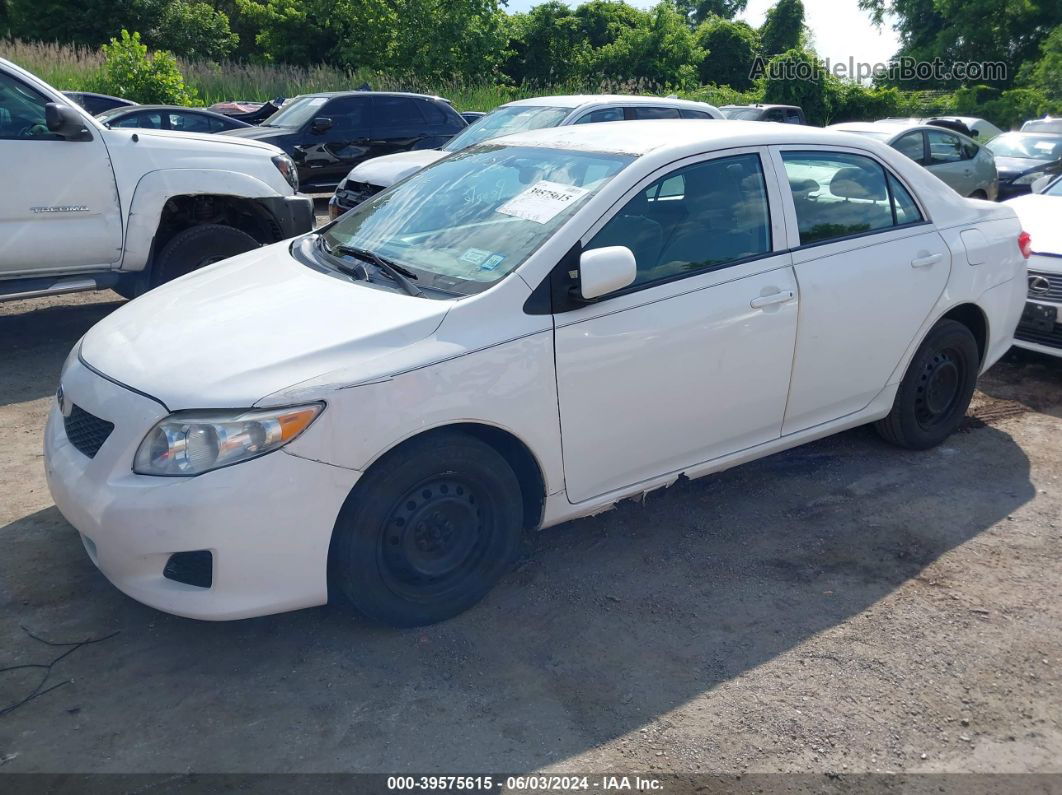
pixel 523 333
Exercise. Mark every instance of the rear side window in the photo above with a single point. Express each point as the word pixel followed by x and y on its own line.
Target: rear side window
pixel 435 114
pixel 397 112
pixel 601 115
pixel 839 195
pixel 190 122
pixel 655 113
pixel 774 114
pixel 694 114
pixel 792 116
pixel 943 148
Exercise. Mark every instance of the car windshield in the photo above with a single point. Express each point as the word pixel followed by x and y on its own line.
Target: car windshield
pixel 746 114
pixel 465 222
pixel 1026 146
pixel 1043 126
pixel 296 113
pixel 506 120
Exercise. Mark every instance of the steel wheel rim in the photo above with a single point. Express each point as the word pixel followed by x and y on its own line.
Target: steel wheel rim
pixel 939 388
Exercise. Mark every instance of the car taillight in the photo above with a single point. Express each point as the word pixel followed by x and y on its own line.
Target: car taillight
pixel 1025 244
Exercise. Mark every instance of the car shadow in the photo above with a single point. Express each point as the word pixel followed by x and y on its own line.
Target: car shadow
pixel 606 625
pixel 35 338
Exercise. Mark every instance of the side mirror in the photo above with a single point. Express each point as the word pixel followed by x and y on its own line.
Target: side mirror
pixel 605 270
pixel 975 134
pixel 1040 185
pixel 321 124
pixel 65 121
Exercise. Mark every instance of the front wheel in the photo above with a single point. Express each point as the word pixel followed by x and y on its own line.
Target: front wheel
pixel 427 531
pixel 197 247
pixel 936 390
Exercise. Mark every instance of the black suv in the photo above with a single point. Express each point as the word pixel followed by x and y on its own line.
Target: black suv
pixel 328 134
pixel 787 114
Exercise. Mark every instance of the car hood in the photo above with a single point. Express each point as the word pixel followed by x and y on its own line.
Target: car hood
pixel 1010 167
pixel 233 333
pixel 256 133
pixel 387 170
pixel 1039 216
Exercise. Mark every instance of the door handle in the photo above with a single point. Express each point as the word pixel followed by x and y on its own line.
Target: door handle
pixel 925 262
pixel 772 299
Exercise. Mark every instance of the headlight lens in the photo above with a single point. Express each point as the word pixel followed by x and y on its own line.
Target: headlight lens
pixel 286 166
pixel 193 442
pixel 1029 179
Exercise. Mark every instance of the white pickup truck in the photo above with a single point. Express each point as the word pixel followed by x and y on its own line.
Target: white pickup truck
pixel 86 207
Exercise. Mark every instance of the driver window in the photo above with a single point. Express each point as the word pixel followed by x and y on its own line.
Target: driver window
pixel 22 112
pixel 698 218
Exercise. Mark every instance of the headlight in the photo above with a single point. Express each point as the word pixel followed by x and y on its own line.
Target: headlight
pixel 193 442
pixel 286 166
pixel 1029 179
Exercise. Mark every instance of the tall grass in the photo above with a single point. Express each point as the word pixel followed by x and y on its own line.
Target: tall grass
pixel 75 68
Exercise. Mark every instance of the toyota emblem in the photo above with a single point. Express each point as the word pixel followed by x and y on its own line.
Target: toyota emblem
pixel 1039 285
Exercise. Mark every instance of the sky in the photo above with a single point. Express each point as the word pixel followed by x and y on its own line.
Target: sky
pixel 839 28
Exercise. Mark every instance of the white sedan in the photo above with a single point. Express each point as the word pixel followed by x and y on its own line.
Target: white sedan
pixel 1040 212
pixel 519 335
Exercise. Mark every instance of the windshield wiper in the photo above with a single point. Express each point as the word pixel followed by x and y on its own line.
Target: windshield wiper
pixel 396 272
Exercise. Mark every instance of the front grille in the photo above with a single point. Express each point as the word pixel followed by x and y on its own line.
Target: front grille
pixel 191 568
pixel 351 194
pixel 1052 339
pixel 1054 289
pixel 85 431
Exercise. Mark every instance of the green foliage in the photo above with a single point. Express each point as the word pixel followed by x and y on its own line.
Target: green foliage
pixel 783 29
pixel 731 49
pixel 813 95
pixel 1046 74
pixel 697 11
pixel 193 29
pixel 663 52
pixel 547 45
pixel 128 71
pixel 602 21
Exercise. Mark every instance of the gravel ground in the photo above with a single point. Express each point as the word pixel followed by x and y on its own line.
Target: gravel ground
pixel 838 608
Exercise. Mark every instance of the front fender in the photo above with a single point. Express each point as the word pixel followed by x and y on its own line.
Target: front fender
pixel 155 188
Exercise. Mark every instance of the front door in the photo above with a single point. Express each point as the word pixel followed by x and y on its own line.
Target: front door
pixel 325 157
pixel 870 269
pixel 59 208
pixel 692 361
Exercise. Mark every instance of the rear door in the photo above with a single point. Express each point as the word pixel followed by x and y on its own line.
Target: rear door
pixel 871 267
pixel 59 206
pixel 949 162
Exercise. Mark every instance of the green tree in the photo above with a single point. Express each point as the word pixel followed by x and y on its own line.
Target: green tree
pixel 663 52
pixel 969 30
pixel 129 71
pixel 797 77
pixel 547 45
pixel 442 38
pixel 1046 74
pixel 602 21
pixel 731 49
pixel 350 33
pixel 697 11
pixel 194 30
pixel 783 29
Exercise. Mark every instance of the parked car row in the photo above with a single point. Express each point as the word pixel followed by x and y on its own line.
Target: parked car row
pixel 470 352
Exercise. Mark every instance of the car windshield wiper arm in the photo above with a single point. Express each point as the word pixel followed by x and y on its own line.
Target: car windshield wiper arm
pixel 398 274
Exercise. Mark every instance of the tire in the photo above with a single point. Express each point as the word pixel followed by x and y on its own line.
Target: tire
pixel 428 531
pixel 936 389
pixel 197 247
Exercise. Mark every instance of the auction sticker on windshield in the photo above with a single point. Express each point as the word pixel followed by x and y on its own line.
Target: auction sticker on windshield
pixel 542 201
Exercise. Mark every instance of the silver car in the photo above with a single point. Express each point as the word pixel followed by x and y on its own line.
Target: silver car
pixel 960 162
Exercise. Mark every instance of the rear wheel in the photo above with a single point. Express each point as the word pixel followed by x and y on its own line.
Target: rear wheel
pixel 427 531
pixel 197 247
pixel 936 390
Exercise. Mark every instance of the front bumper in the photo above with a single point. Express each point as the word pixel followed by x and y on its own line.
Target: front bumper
pixel 267 522
pixel 293 214
pixel 1031 334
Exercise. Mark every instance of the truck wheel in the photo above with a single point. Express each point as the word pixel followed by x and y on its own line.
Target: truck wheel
pixel 199 246
pixel 936 389
pixel 427 531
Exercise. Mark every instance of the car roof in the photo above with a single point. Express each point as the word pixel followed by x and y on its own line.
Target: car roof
pixel 574 101
pixel 110 113
pixel 367 93
pixel 764 106
pixel 895 126
pixel 641 137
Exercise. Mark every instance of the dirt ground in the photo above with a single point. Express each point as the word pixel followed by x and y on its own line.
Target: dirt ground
pixel 842 607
